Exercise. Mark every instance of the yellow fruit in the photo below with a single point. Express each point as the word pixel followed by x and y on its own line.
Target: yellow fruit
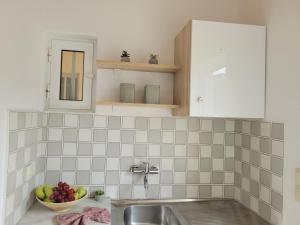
pixel 76 196
pixel 47 200
pixel 39 192
pixel 81 191
pixel 48 190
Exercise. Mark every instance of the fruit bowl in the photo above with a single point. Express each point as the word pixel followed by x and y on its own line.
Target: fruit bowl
pixel 61 207
pixel 60 198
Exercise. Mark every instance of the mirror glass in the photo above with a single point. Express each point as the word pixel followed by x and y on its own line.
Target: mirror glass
pixel 71 75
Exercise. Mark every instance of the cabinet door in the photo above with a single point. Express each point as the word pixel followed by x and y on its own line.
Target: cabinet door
pixel 71 74
pixel 227 70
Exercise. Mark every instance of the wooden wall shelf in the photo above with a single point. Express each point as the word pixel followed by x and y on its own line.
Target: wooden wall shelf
pixel 161 106
pixel 160 68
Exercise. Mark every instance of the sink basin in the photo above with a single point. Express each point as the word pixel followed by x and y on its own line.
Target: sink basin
pixel 150 215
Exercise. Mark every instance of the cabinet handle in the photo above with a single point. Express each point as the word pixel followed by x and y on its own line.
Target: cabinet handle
pixel 199 99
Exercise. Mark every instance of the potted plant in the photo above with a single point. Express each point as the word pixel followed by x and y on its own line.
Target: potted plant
pixel 125 57
pixel 99 195
pixel 153 59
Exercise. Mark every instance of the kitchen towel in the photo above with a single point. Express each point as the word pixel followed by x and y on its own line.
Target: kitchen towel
pixel 89 214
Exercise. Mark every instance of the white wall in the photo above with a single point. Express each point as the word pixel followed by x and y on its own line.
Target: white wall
pixel 140 26
pixel 283 83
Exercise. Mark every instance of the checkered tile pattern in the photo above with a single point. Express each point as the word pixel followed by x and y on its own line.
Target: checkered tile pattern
pixel 26 169
pixel 259 167
pixel 195 156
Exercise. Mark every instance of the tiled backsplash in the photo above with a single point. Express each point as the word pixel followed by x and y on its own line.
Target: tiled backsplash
pixel 195 157
pixel 25 168
pixel 198 158
pixel 259 167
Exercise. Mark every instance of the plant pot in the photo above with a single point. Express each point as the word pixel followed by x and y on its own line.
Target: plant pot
pixel 99 198
pixel 125 59
pixel 153 61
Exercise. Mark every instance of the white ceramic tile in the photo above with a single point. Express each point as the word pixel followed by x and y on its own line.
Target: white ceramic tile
pixel 229 177
pixel 83 163
pixel 277 183
pixel 238 140
pixel 192 191
pixel 205 177
pixel 39 134
pixel 19 178
pixel 28 118
pixel 205 151
pixel 254 173
pixel 218 164
pixel 193 137
pixel 125 178
pixel 166 191
pixel 181 124
pixel 153 179
pixel 100 121
pixel 21 139
pixel 10 204
pixel 112 163
pixel 128 122
pixel 180 150
pixel 237 193
pixel 254 204
pixel 154 151
pixel 111 191
pixel 17 214
pixel 11 162
pixel 155 123
pixel 34 119
pixel 218 138
pixel 276 217
pixel 206 125
pixel 265 161
pixel 55 134
pixel 13 121
pixel 53 163
pixel 246 155
pixel 245 184
pixel 99 149
pixel 98 178
pixel 68 177
pixel 193 164
pixel 69 149
pixel 229 125
pixel 127 150
pixel 255 143
pixel 27 152
pixel 217 191
pixel 246 126
pixel 265 129
pixel 265 194
pixel 139 192
pixel 71 120
pixel 277 148
pixel 166 164
pixel 25 191
pixel 167 136
pixel 238 166
pixel 141 136
pixel 229 151
pixel 85 135
pixel 113 136
pixel 179 177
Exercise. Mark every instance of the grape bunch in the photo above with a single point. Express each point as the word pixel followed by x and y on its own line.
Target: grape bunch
pixel 63 193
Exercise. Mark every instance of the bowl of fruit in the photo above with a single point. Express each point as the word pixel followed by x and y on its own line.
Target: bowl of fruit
pixel 60 198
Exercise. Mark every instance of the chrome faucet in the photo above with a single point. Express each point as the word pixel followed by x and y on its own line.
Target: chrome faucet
pixel 144 169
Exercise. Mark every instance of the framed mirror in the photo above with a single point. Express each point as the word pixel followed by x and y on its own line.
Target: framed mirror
pixel 71 75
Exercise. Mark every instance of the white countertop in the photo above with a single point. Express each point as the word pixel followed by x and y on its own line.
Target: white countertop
pixel 40 215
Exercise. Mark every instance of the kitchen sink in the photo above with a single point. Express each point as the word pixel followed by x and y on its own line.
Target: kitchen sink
pixel 150 215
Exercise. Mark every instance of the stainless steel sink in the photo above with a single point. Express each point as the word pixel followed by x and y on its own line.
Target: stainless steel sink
pixel 150 215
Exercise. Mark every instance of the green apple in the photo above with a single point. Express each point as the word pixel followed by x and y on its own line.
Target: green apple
pixel 81 191
pixel 39 192
pixel 48 190
pixel 47 200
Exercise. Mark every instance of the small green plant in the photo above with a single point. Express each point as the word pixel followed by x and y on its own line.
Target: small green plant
pixel 99 193
pixel 153 56
pixel 125 54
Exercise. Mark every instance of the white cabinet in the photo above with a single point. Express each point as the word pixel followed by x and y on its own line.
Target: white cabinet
pixel 222 70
